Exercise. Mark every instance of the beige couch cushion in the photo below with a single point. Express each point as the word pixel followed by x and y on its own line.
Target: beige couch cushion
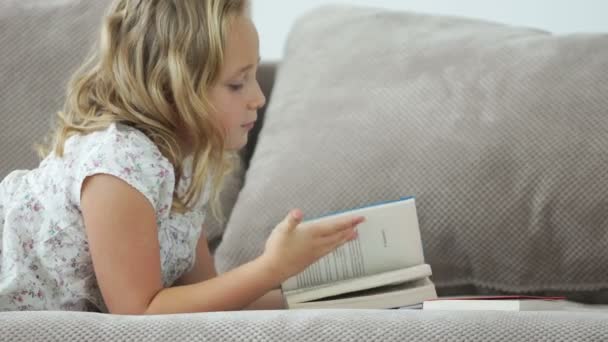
pixel 43 42
pixel 500 132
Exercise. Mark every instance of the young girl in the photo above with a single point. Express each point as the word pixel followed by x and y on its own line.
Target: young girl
pixel 111 219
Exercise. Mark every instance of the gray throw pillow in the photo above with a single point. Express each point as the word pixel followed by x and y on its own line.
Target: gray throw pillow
pixel 500 132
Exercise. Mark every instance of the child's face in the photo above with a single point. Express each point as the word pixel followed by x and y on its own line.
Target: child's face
pixel 237 95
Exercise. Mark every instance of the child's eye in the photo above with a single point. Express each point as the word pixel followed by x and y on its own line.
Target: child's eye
pixel 235 87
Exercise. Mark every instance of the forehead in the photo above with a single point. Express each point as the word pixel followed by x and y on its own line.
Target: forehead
pixel 242 43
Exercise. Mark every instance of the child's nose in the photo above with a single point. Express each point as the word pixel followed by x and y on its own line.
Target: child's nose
pixel 259 99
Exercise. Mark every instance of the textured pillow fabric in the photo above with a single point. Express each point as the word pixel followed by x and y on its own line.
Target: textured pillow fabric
pixel 41 44
pixel 500 132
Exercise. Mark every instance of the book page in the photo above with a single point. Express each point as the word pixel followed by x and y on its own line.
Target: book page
pixel 388 240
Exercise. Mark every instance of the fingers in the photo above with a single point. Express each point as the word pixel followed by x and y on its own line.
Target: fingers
pixel 335 240
pixel 336 226
pixel 330 243
pixel 292 219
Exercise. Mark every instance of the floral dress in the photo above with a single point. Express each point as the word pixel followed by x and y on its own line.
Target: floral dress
pixel 45 262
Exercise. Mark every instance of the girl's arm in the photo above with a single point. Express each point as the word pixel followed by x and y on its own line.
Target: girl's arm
pixel 123 241
pixel 204 269
pixel 204 264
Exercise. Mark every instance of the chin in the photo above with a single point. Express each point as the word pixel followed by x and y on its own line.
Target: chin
pixel 237 145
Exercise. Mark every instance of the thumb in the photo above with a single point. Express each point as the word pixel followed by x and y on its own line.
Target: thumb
pixel 293 219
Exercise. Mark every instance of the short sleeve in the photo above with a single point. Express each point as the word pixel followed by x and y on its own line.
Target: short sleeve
pixel 129 155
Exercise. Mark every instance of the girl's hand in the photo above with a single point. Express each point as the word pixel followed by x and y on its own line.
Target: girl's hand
pixel 293 246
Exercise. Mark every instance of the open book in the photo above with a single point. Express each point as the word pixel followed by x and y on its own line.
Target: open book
pixel 383 268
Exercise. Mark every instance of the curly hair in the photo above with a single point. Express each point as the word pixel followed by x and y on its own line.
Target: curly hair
pixel 152 69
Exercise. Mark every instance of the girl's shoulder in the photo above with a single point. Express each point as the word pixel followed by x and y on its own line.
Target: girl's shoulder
pixel 126 153
pixel 116 137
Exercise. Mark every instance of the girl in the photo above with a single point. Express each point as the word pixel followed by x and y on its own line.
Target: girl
pixel 111 219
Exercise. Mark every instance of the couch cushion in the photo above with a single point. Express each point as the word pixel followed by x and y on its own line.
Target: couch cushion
pixel 43 43
pixel 499 131
pixel 307 325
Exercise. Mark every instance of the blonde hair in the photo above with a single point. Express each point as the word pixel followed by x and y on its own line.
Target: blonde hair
pixel 152 71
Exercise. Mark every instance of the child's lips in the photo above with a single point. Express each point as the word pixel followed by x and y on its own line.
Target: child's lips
pixel 248 126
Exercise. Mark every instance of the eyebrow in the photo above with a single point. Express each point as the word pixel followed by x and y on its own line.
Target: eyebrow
pixel 245 68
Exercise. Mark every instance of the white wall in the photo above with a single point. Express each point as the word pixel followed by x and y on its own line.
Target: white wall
pixel 275 17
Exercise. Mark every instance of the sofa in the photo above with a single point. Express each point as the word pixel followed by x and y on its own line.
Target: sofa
pixel 499 132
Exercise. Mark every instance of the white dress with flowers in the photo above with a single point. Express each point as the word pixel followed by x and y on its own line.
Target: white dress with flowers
pixel 45 262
